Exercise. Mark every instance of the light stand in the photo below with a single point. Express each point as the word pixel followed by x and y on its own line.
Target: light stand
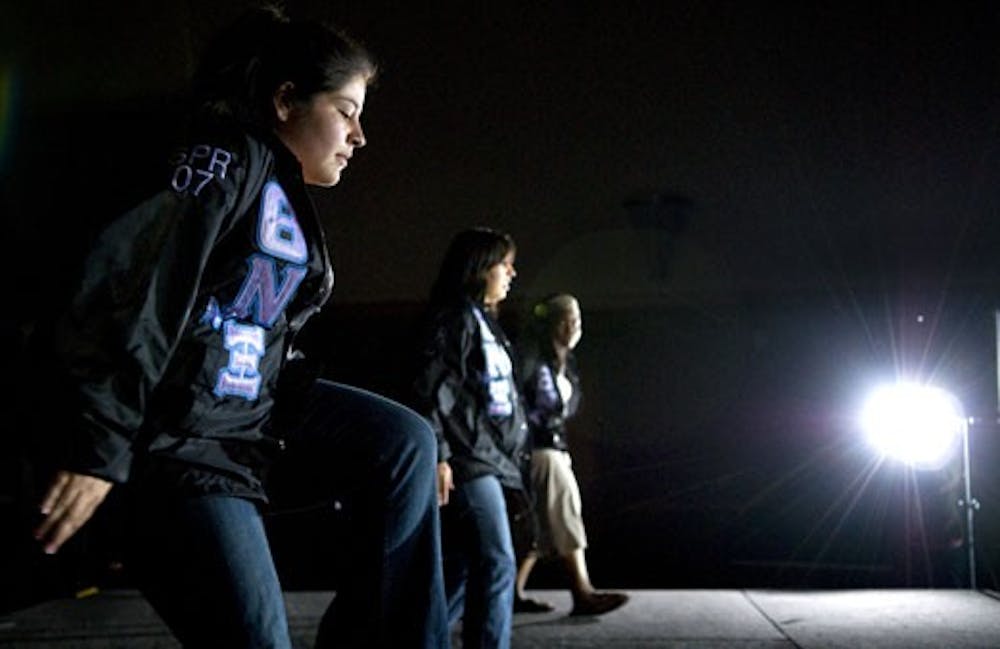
pixel 971 505
pixel 919 425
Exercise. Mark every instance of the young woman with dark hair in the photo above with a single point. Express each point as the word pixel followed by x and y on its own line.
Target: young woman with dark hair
pixel 178 349
pixel 466 388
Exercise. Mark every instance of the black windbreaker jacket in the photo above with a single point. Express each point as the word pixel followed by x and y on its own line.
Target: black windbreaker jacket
pixel 185 313
pixel 451 392
pixel 546 411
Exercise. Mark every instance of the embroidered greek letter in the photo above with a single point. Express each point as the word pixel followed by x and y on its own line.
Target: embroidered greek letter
pixel 241 377
pixel 278 231
pixel 263 296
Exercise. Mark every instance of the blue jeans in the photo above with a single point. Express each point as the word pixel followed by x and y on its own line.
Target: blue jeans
pixel 208 569
pixel 479 563
pixel 205 566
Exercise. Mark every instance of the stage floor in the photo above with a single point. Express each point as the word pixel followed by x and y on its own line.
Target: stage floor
pixel 668 619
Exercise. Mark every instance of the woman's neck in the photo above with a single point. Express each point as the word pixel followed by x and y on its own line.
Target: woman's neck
pixel 489 307
pixel 561 354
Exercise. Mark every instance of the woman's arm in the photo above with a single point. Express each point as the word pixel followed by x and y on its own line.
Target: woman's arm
pixel 137 295
pixel 442 385
pixel 135 300
pixel 543 404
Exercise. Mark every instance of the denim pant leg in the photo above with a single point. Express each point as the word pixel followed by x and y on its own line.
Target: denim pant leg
pixel 381 458
pixel 479 563
pixel 205 566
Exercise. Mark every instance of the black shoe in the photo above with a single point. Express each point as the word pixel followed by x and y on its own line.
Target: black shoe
pixel 597 603
pixel 531 605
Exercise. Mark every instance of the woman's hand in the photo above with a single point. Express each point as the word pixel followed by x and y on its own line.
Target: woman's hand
pixel 444 483
pixel 69 503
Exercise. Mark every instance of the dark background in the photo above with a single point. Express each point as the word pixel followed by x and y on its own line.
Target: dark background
pixel 764 211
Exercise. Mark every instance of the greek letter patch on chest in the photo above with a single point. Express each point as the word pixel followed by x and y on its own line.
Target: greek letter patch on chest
pixel 499 372
pixel 279 233
pixel 266 291
pixel 273 277
pixel 241 377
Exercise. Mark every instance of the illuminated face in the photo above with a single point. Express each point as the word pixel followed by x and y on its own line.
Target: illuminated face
pixel 498 279
pixel 324 131
pixel 570 328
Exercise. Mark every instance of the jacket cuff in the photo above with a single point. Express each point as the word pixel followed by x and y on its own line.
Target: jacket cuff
pixel 101 453
pixel 444 451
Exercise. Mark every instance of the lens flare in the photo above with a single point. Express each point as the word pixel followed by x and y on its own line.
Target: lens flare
pixel 917 424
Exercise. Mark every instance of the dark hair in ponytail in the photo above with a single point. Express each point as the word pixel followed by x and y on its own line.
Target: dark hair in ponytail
pixel 264 49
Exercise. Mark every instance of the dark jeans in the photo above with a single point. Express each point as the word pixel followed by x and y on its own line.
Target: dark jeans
pixel 479 563
pixel 207 568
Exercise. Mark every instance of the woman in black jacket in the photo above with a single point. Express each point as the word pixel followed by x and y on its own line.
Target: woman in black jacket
pixel 466 388
pixel 175 342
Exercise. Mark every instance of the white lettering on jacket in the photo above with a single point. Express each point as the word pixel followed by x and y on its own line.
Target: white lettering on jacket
pixel 194 169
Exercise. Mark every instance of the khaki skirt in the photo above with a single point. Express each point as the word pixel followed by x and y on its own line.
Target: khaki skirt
pixel 557 503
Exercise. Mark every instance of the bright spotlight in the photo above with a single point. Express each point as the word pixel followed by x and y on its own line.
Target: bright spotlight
pixel 917 424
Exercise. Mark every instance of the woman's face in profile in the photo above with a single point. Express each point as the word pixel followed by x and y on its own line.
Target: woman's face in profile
pixel 570 328
pixel 324 131
pixel 498 279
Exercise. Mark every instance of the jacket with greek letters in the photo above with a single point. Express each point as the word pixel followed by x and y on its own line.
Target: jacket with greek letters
pixel 183 319
pixel 546 411
pixel 451 391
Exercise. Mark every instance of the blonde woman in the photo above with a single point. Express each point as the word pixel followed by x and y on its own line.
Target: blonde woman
pixel 552 396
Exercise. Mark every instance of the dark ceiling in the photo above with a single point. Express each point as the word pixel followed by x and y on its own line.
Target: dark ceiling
pixel 818 147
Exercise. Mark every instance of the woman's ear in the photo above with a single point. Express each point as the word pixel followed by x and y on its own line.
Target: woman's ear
pixel 282 100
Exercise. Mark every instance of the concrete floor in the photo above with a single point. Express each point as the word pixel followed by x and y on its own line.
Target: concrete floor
pixel 668 619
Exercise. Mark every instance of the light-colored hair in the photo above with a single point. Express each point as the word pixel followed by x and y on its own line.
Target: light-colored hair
pixel 549 312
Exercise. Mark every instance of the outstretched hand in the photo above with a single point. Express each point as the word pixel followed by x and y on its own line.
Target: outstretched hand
pixel 444 483
pixel 69 503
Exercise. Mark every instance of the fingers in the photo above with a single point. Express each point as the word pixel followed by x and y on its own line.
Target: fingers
pixel 55 491
pixel 53 505
pixel 69 503
pixel 442 491
pixel 444 483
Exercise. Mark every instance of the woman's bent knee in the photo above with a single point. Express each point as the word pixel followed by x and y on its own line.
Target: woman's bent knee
pixel 413 436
